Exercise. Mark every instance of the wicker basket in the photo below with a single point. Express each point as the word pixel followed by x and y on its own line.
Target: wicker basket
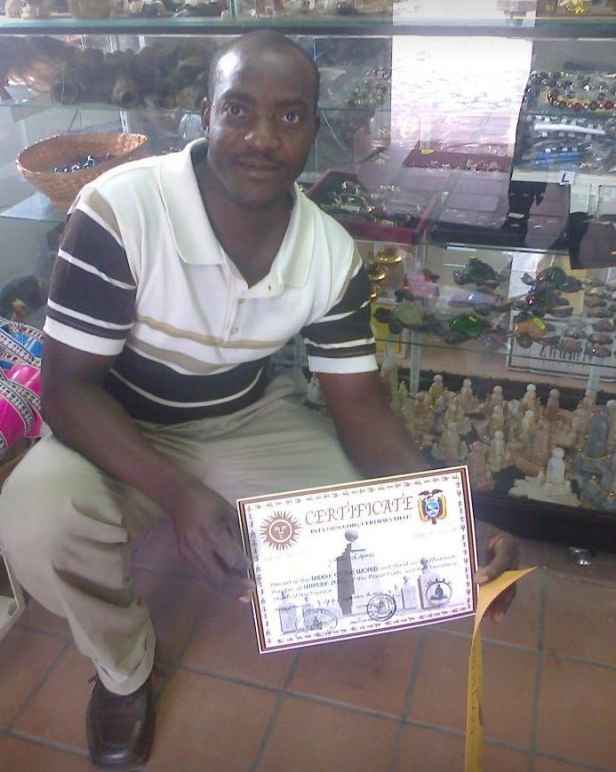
pixel 37 162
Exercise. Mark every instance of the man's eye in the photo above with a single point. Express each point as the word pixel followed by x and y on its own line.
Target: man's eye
pixel 292 116
pixel 236 111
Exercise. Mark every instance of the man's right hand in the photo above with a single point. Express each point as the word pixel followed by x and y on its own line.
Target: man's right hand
pixel 208 538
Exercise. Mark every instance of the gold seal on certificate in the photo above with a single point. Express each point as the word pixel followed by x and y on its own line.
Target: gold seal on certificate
pixel 374 556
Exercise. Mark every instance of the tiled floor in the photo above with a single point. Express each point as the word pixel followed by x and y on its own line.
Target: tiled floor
pixel 385 704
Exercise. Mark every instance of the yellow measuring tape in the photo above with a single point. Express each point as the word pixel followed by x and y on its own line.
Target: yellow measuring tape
pixel 473 750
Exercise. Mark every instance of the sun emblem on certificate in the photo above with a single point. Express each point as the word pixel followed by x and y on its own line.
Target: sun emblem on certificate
pixel 432 506
pixel 280 531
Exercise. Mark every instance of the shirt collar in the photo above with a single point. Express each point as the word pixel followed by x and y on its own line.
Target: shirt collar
pixel 196 241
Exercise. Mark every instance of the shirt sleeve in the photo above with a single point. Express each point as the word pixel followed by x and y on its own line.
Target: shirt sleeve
pixel 341 341
pixel 92 292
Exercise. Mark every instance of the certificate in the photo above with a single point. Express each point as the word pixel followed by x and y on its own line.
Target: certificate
pixel 346 561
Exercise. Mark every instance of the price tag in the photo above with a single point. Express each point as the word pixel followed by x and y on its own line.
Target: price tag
pixel 567 178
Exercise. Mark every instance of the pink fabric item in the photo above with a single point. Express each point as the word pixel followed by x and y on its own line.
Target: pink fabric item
pixel 29 380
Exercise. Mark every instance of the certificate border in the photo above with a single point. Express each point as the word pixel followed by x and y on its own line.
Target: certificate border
pixel 462 471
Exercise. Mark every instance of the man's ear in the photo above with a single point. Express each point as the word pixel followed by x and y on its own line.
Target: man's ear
pixel 205 114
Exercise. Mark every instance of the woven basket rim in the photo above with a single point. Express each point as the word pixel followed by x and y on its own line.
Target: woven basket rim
pixel 141 140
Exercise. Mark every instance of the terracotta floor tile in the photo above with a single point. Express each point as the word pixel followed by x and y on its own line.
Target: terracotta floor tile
pixel 37 617
pixel 602 568
pixel 440 689
pixel 175 604
pixel 509 680
pixel 440 692
pixel 549 765
pixel 156 549
pixel 24 660
pixel 521 623
pixel 311 737
pixel 225 642
pixel 369 672
pixel 580 619
pixel 460 626
pixel 577 712
pixel 208 724
pixel 58 710
pixel 532 553
pixel 446 753
pixel 22 756
pixel 497 759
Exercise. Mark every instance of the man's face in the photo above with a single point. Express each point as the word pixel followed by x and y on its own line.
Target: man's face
pixel 261 123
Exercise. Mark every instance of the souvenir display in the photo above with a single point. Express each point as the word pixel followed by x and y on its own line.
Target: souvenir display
pixel 421 156
pixel 381 213
pixel 576 8
pixel 308 8
pixel 163 77
pixel 554 455
pixel 568 122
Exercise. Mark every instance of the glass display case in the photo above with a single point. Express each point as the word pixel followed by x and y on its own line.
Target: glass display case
pixel 471 154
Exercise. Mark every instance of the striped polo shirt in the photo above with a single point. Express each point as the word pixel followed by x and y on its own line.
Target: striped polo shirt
pixel 140 276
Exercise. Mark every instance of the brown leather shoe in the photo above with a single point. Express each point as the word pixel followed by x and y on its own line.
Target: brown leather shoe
pixel 120 728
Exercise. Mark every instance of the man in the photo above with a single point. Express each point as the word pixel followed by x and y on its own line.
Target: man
pixel 176 279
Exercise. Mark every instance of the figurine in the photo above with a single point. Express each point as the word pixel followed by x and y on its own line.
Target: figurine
pixel 495 399
pixel 596 445
pixel 541 446
pixel 604 325
pixel 408 410
pixel 464 326
pixel 552 409
pixel 550 486
pixel 497 420
pixel 437 389
pixel 450 448
pixel 403 396
pixel 529 399
pixel 555 472
pixel 527 428
pixel 200 8
pixel 480 475
pixel 467 400
pixel 513 419
pixel 533 327
pixel 554 278
pixel 579 427
pixel 423 415
pixel 496 459
pixel 479 273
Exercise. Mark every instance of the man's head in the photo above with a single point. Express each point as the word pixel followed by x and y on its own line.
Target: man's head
pixel 261 117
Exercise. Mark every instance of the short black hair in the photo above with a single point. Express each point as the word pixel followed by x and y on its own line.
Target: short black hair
pixel 268 38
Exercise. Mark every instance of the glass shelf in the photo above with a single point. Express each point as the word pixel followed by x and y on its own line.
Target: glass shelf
pixel 590 27
pixel 28 102
pixel 37 208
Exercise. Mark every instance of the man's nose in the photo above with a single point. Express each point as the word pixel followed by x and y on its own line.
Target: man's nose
pixel 263 135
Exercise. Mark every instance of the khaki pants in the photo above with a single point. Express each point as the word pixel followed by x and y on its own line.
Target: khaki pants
pixel 66 527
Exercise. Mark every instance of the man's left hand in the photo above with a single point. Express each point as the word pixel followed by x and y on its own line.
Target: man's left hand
pixel 502 555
